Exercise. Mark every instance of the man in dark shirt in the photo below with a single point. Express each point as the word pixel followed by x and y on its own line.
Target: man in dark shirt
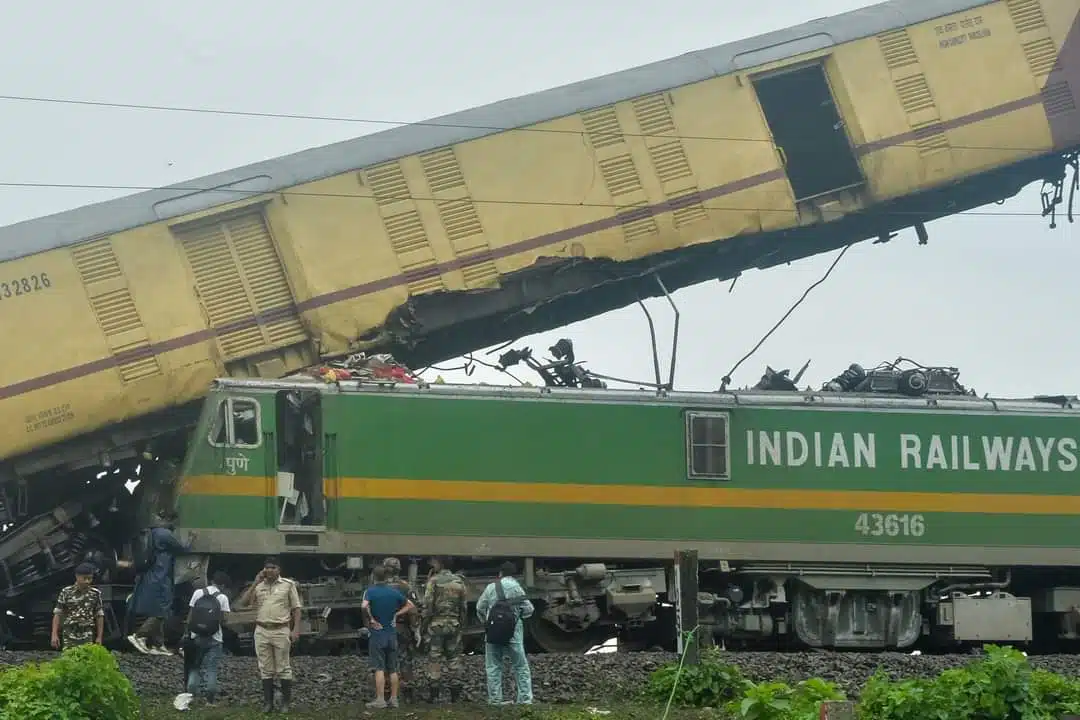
pixel 382 606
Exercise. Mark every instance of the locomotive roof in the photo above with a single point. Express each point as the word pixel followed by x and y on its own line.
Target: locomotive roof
pixel 111 216
pixel 1046 405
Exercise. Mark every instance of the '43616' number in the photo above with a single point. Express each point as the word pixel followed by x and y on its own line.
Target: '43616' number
pixel 891 525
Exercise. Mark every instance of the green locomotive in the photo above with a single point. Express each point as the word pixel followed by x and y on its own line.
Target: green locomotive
pixel 879 518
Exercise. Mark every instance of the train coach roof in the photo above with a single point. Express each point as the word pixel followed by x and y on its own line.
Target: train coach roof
pixel 111 216
pixel 702 400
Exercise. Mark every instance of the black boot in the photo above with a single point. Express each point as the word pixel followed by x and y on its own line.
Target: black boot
pixel 268 696
pixel 286 695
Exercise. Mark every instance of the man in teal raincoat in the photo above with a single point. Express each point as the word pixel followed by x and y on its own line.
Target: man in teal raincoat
pixel 494 655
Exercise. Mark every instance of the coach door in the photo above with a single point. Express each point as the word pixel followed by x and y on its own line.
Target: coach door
pixel 808 131
pixel 301 498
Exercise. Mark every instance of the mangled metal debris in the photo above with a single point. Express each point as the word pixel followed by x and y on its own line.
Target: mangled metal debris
pixel 898 377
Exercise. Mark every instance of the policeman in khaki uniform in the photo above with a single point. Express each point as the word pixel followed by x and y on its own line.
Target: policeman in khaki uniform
pixel 278 608
pixel 444 615
pixel 79 614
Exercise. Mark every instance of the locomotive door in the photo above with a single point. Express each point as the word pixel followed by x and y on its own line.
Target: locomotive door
pixel 301 500
pixel 808 131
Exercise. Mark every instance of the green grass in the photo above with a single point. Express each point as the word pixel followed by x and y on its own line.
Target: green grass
pixel 162 709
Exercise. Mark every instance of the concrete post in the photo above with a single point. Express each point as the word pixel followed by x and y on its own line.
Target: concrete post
pixel 686 605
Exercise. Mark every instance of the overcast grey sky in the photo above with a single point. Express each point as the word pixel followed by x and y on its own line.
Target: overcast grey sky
pixel 990 295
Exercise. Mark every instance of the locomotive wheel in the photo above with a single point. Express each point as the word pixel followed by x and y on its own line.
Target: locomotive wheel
pixel 553 639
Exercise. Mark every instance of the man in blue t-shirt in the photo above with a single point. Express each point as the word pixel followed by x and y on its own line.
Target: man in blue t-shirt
pixel 382 606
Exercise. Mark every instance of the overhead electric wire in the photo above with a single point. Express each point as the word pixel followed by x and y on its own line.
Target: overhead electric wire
pixel 335 118
pixel 469 366
pixel 479 201
pixel 428 123
pixel 726 380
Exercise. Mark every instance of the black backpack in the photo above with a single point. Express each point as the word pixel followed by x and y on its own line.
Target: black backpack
pixel 501 619
pixel 206 615
pixel 142 550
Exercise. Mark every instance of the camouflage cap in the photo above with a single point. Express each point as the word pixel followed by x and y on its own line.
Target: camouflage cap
pixel 392 563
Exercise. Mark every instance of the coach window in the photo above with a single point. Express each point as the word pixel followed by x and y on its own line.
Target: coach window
pixel 237 423
pixel 707 454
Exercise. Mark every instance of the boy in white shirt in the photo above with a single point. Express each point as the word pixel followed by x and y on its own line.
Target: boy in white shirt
pixel 204 624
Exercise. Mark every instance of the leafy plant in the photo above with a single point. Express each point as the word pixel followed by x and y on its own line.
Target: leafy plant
pixel 1054 695
pixel 710 683
pixel 84 683
pixel 764 701
pixel 1000 686
pixel 817 691
pixel 719 684
pixel 779 701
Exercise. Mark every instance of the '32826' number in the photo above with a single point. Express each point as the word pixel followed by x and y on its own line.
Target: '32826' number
pixel 14 287
pixel 890 525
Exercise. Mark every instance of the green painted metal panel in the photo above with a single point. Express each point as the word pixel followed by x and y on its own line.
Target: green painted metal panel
pixel 436 518
pixel 597 443
pixel 704 524
pixel 431 438
pixel 555 441
pixel 224 512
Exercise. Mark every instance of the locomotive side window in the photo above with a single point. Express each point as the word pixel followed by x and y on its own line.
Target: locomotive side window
pixel 707 448
pixel 237 423
pixel 245 422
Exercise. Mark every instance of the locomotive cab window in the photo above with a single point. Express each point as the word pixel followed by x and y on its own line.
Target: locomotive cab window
pixel 707 449
pixel 237 423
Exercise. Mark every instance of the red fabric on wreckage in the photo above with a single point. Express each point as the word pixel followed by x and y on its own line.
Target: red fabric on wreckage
pixel 381 367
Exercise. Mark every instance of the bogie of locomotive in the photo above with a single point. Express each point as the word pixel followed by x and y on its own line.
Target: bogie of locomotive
pixel 888 611
pixel 577 608
pixel 878 608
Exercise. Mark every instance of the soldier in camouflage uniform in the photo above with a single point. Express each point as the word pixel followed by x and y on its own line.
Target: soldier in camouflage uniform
pixel 409 629
pixel 79 615
pixel 444 615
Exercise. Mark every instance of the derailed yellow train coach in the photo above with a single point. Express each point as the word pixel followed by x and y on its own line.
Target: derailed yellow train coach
pixel 438 238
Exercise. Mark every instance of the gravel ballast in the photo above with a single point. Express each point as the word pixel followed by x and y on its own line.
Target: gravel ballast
pixel 334 681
